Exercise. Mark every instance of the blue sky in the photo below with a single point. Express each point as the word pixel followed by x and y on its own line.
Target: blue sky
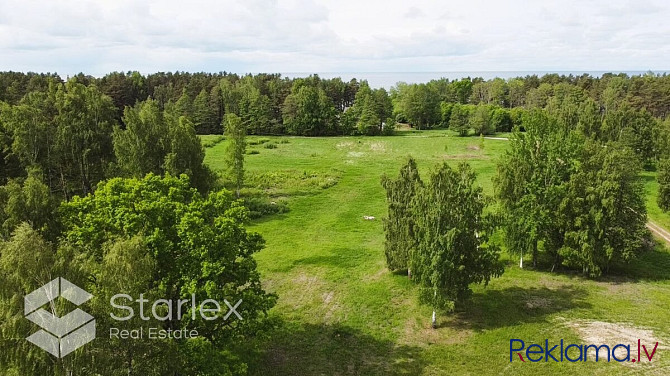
pixel 98 36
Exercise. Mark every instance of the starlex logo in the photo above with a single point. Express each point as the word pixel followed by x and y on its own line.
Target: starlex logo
pixel 59 335
pixel 578 353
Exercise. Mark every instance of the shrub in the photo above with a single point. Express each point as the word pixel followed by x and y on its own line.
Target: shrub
pixel 262 206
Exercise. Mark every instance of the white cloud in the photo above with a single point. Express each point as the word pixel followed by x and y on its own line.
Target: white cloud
pixel 96 36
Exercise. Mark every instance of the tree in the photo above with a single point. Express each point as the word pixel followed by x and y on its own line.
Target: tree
pixel 459 120
pixel 452 249
pixel 184 105
pixel 66 132
pixel 500 120
pixel 603 209
pixel 26 263
pixel 308 111
pixel 83 147
pixel 141 148
pixel 399 227
pixel 480 120
pixel 663 178
pixel 255 110
pixel 420 105
pixel 29 201
pixel 529 184
pixel 187 244
pixel 577 197
pixel 236 134
pixel 186 155
pixel 157 142
pixel 204 119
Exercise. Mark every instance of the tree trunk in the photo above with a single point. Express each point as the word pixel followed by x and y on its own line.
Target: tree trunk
pixel 535 254
pixel 434 321
pixel 521 261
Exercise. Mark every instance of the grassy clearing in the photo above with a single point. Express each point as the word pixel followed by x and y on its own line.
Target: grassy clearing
pixel 342 313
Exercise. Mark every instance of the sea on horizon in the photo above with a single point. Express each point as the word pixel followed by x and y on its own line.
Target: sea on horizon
pixel 390 79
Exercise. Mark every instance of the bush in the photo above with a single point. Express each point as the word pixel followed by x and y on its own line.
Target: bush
pixel 212 142
pixel 253 152
pixel 258 141
pixel 262 206
pixel 388 128
pixel 270 146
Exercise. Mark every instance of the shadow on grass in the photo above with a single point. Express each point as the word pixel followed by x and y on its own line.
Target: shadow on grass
pixel 343 257
pixel 653 265
pixel 311 349
pixel 492 309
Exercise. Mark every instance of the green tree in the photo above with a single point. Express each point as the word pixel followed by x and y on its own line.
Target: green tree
pixel 574 197
pixel 420 104
pixel 603 209
pixel 188 243
pixel 452 250
pixel 530 184
pixel 236 134
pixel 663 178
pixel 157 142
pixel 308 111
pixel 500 120
pixel 399 227
pixel 255 110
pixel 26 263
pixel 204 118
pixel 29 201
pixel 480 120
pixel 459 120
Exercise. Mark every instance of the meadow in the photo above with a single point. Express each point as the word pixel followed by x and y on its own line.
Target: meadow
pixel 341 312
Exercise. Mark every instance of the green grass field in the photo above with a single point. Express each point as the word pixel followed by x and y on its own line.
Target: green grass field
pixel 341 312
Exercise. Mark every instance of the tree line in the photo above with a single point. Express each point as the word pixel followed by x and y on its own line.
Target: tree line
pixel 312 106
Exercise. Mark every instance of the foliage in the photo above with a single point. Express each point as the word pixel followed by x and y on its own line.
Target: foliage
pixel 459 120
pixel 663 200
pixel 156 141
pixel 579 198
pixel 399 226
pixel 237 145
pixel 452 236
pixel 159 236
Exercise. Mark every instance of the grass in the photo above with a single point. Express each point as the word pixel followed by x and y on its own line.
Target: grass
pixel 341 312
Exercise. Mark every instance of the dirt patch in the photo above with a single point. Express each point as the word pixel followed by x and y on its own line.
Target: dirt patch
pixel 378 146
pixel 327 297
pixel 473 147
pixel 356 154
pixel 331 306
pixel 345 145
pixel 612 334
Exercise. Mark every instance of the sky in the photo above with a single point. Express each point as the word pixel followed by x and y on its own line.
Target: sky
pixel 251 36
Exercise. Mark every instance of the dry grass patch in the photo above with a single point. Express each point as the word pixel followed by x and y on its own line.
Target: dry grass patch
pixel 612 334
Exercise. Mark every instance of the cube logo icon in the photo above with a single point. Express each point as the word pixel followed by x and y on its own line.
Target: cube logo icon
pixel 59 336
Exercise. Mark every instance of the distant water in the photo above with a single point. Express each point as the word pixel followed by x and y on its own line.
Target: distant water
pixel 389 79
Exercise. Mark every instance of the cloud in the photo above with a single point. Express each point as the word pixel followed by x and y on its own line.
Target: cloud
pixel 96 36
